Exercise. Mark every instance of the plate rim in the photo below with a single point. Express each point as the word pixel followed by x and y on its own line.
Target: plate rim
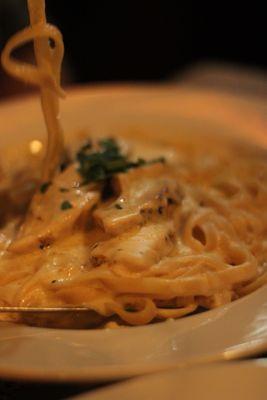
pixel 259 365
pixel 115 373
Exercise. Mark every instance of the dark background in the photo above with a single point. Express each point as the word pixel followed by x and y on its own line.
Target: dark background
pixel 152 40
pixel 145 40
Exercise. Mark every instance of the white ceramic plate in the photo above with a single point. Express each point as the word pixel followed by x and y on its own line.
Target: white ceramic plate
pixel 235 381
pixel 235 330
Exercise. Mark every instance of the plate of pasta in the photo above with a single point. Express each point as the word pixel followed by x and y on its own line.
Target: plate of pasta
pixel 234 321
pixel 144 207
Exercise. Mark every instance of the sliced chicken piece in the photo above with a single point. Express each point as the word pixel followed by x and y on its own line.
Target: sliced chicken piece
pixel 54 210
pixel 145 193
pixel 137 249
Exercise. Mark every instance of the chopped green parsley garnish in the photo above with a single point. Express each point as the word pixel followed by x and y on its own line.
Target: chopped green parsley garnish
pixel 97 166
pixel 66 205
pixel 45 186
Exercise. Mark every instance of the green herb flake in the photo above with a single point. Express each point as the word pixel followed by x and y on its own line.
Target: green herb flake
pixel 130 308
pixel 86 146
pixel 99 166
pixel 66 205
pixel 44 187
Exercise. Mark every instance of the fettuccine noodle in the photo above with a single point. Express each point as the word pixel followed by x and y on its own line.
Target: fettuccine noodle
pixel 46 75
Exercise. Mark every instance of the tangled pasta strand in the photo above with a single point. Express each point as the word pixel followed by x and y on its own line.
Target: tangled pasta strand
pixel 45 75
